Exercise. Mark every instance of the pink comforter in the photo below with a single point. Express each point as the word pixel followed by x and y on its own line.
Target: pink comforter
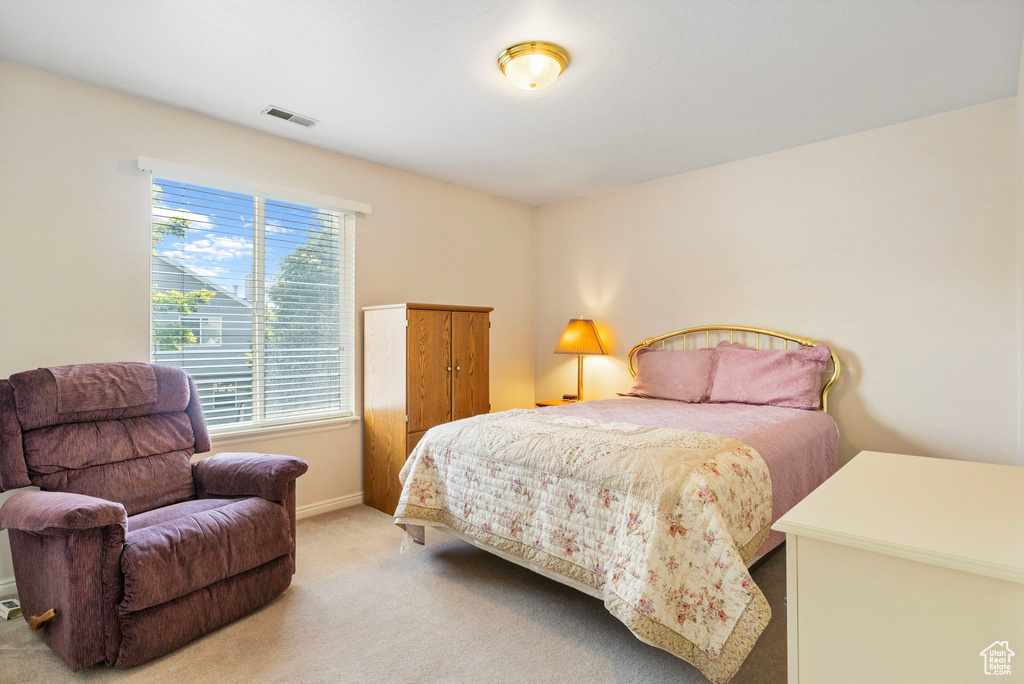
pixel 800 447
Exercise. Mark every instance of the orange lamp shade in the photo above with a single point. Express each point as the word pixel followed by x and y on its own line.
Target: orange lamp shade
pixel 580 337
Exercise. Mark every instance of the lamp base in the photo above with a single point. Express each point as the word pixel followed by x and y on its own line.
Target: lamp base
pixel 579 379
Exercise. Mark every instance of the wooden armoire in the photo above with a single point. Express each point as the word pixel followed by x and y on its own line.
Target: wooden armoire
pixel 423 365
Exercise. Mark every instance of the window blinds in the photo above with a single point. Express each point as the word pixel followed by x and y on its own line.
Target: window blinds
pixel 254 298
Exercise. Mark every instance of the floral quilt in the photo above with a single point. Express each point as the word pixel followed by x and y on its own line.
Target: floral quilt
pixel 661 522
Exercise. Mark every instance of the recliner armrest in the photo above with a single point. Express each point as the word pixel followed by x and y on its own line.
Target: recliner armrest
pixel 55 513
pixel 248 474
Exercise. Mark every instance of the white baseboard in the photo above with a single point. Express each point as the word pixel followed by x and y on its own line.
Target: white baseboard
pixel 329 505
pixel 8 587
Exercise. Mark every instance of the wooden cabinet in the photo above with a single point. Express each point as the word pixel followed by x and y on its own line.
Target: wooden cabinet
pixel 470 361
pixel 428 367
pixel 424 365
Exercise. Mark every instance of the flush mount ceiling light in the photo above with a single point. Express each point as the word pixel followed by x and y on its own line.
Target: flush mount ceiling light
pixel 534 65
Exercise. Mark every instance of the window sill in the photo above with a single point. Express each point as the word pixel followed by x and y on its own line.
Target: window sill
pixel 258 434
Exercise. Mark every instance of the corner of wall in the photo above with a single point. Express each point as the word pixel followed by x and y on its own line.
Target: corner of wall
pixel 1019 167
pixel 535 215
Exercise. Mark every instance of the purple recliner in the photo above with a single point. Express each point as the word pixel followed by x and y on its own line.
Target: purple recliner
pixel 136 550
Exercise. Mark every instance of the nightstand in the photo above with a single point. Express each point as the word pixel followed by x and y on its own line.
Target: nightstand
pixel 556 402
pixel 905 569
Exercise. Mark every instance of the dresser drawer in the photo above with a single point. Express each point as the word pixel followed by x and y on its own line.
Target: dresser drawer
pixel 858 616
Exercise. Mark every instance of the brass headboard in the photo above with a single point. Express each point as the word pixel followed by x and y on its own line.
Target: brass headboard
pixel 732 330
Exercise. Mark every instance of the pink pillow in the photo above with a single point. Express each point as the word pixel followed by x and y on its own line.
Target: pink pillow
pixel 769 377
pixel 676 375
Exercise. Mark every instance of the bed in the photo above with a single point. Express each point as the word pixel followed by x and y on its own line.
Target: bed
pixel 656 507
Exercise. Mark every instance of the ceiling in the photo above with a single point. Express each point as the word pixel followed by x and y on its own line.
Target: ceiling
pixel 654 88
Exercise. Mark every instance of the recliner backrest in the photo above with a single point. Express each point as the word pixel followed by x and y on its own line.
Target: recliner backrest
pixel 123 432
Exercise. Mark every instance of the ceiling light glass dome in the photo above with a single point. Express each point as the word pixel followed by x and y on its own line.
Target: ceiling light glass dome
pixel 534 65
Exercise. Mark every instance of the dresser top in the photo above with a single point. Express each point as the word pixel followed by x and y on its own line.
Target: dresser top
pixel 429 307
pixel 956 514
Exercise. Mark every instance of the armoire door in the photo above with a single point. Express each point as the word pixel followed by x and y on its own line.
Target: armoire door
pixel 470 361
pixel 428 368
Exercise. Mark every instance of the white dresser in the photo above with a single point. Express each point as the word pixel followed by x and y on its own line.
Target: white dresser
pixel 905 569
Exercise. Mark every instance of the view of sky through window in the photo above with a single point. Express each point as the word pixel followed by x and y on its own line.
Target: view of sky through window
pixel 247 298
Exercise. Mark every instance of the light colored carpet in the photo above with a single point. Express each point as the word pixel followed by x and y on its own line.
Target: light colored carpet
pixel 358 611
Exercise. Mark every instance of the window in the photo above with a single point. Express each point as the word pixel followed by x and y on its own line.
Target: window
pixel 205 329
pixel 253 297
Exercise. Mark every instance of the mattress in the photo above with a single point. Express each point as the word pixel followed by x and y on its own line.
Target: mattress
pixel 800 447
pixel 658 507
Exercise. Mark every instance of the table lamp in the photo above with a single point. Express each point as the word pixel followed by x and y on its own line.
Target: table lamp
pixel 580 338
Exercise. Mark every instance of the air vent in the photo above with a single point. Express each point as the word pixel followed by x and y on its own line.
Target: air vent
pixel 291 116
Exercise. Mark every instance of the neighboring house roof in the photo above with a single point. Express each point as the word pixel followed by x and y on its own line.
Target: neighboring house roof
pixel 207 283
pixel 998 645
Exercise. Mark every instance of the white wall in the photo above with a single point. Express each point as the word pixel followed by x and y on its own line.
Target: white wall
pixel 897 246
pixel 74 243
